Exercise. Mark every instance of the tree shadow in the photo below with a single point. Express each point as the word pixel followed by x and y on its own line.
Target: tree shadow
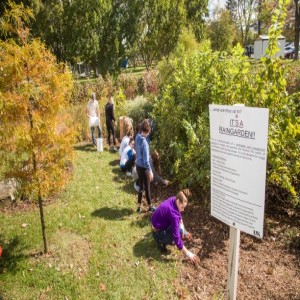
pixel 85 147
pixel 147 248
pixel 11 257
pixel 109 213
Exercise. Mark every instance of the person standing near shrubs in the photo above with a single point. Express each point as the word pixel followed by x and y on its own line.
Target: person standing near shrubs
pixel 143 165
pixel 110 118
pixel 92 111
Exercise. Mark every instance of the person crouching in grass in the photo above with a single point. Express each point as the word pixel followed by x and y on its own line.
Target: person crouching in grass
pixel 167 224
pixel 127 160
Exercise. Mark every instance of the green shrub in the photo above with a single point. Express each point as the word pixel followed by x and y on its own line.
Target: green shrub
pixel 195 81
pixel 138 109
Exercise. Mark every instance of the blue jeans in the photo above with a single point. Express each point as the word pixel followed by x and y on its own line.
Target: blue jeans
pixel 99 134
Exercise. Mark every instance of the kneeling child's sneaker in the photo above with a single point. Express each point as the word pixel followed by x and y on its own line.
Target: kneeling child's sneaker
pixel 152 208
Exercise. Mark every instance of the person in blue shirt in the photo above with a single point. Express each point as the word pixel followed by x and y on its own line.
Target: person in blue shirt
pixel 127 160
pixel 143 165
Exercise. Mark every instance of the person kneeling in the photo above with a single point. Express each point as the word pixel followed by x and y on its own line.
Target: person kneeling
pixel 127 160
pixel 167 225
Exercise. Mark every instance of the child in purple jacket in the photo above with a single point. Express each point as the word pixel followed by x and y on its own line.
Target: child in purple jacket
pixel 167 224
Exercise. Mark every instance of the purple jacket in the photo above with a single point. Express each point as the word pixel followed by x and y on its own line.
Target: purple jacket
pixel 167 214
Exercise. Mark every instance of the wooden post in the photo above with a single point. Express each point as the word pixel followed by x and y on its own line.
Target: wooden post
pixel 233 263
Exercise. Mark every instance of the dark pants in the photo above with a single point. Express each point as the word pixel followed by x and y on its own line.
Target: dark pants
pixel 144 183
pixel 163 237
pixel 110 129
pixel 129 164
pixel 99 133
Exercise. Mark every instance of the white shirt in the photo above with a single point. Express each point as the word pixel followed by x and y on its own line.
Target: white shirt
pixel 126 155
pixel 92 107
pixel 124 144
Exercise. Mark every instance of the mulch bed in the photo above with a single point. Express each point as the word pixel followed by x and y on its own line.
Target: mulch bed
pixel 269 268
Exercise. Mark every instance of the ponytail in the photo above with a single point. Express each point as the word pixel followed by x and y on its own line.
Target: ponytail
pixel 183 195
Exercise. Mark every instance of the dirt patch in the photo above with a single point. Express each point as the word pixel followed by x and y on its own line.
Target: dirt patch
pixel 268 268
pixel 69 253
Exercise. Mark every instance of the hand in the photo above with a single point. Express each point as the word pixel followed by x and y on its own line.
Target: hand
pixel 187 236
pixel 151 175
pixel 166 182
pixel 193 258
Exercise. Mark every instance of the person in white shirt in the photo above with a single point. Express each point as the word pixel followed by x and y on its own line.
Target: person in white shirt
pixel 92 111
pixel 128 156
pixel 125 142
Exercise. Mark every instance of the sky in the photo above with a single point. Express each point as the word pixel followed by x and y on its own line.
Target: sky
pixel 213 3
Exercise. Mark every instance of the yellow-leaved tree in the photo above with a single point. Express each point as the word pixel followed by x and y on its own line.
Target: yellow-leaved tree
pixel 36 141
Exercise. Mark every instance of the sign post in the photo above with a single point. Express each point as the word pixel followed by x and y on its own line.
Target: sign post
pixel 238 140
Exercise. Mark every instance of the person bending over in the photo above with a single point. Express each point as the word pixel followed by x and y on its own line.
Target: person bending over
pixel 155 167
pixel 143 165
pixel 127 160
pixel 167 224
pixel 125 142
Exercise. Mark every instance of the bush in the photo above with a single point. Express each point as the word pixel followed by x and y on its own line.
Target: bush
pixel 182 116
pixel 138 109
pixel 293 76
pixel 128 83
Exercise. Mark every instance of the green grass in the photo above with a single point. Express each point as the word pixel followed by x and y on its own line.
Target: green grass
pixel 99 248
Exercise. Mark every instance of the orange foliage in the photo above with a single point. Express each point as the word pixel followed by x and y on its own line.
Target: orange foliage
pixel 36 141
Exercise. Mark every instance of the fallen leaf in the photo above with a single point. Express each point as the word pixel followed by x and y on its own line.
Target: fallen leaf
pixel 102 287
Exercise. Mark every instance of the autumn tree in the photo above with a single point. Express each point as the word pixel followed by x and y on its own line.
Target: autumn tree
pixel 35 139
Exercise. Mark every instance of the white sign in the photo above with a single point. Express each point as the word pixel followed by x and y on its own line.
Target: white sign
pixel 238 140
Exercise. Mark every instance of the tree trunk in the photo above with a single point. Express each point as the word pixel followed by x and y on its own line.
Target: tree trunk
pixel 297 24
pixel 40 200
pixel 43 222
pixel 259 18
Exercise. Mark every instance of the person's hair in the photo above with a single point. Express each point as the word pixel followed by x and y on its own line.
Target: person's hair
pixel 110 99
pixel 155 160
pixel 129 133
pixel 93 95
pixel 145 126
pixel 183 195
pixel 131 140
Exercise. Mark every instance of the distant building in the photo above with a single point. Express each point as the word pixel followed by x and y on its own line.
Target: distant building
pixel 261 44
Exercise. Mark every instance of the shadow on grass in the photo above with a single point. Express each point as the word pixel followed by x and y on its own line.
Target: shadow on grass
pixel 147 248
pixel 109 213
pixel 85 147
pixel 114 162
pixel 11 256
pixel 141 221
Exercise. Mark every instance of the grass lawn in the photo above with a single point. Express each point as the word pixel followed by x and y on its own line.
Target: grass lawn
pixel 99 248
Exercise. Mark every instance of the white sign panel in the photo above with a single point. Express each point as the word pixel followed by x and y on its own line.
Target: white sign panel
pixel 238 140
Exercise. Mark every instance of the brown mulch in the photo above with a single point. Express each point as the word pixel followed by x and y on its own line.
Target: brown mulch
pixel 269 268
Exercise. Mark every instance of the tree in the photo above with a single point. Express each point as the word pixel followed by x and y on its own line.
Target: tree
pixel 243 13
pixel 297 28
pixel 158 27
pixel 221 31
pixel 35 139
pixel 196 11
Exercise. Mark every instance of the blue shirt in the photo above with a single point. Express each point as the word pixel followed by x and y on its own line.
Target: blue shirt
pixel 142 152
pixel 166 215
